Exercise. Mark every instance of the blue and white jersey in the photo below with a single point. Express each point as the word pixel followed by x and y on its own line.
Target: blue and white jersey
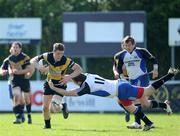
pixel 135 62
pixel 96 85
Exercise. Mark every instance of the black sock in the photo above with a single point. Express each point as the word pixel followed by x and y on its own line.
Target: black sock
pixel 17 110
pixel 137 119
pixel 22 109
pixel 28 108
pixel 155 104
pixel 161 81
pixel 162 105
pixel 142 116
pixel 29 115
pixel 47 123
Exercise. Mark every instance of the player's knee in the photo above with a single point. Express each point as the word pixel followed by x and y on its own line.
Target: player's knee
pixel 17 99
pixel 131 108
pixel 45 109
pixel 130 111
pixel 27 100
pixel 149 91
pixel 145 105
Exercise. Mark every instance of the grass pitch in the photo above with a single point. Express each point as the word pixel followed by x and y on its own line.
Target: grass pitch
pixel 89 124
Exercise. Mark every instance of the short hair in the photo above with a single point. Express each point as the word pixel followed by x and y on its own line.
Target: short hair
pixel 128 39
pixel 17 43
pixel 58 46
pixel 80 78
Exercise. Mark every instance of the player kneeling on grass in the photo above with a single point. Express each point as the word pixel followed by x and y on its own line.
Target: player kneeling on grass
pixel 95 85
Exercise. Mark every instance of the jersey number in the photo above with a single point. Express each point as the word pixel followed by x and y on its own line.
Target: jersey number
pixel 99 80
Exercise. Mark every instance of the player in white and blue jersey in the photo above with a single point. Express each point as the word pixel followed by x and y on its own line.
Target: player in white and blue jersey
pixel 126 93
pixel 134 60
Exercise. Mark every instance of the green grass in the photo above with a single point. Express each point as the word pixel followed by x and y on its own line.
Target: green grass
pixel 79 124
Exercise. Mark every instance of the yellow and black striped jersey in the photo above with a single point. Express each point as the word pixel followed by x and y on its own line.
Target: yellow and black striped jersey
pixel 18 62
pixel 57 69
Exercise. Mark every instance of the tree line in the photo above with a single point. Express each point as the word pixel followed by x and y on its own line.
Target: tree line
pixel 157 13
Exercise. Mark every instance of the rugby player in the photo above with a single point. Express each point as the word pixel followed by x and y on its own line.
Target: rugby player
pixel 126 93
pixel 133 59
pixel 58 65
pixel 18 66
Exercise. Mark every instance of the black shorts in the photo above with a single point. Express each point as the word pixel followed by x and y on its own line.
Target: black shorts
pixel 24 84
pixel 49 91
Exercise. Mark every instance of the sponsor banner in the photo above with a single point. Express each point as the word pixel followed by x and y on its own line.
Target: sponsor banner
pixel 24 29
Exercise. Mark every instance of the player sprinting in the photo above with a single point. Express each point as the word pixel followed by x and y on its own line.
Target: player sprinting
pixel 58 64
pixel 56 102
pixel 134 59
pixel 95 85
pixel 18 67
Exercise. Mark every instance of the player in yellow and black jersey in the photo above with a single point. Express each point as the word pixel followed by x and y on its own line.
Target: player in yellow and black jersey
pixel 57 67
pixel 56 70
pixel 18 66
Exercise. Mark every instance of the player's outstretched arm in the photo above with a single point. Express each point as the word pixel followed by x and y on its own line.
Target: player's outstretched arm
pixel 76 71
pixel 62 91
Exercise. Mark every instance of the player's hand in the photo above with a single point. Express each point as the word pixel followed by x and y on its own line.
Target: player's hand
pixel 16 72
pixel 51 85
pixel 124 77
pixel 154 74
pixel 4 72
pixel 44 70
pixel 65 79
pixel 28 75
pixel 116 76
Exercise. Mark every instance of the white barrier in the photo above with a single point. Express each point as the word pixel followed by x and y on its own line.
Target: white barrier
pixel 84 103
